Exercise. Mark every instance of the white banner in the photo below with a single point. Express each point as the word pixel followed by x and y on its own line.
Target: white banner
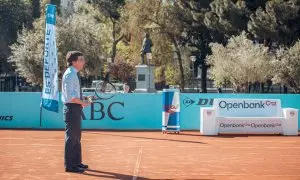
pixel 50 70
pixel 248 125
pixel 248 107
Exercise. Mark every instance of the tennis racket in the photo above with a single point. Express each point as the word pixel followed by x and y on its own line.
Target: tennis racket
pixel 104 90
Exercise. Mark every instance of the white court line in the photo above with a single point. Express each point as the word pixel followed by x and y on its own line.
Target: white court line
pixel 252 147
pixel 261 175
pixel 11 138
pixel 33 145
pixel 50 145
pixel 223 141
pixel 137 164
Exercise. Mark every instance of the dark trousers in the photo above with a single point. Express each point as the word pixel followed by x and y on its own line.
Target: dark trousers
pixel 72 118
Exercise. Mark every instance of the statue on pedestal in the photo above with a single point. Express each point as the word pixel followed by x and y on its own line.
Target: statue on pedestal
pixel 146 47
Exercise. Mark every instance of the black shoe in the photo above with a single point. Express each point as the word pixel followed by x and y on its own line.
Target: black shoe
pixel 83 166
pixel 75 170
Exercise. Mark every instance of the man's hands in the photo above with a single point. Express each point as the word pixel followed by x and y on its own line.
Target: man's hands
pixel 82 103
pixel 85 104
pixel 89 98
pixel 88 101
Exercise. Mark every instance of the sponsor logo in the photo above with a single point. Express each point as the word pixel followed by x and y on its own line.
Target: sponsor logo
pixel 171 108
pixel 252 125
pixel 246 105
pixel 204 102
pixel 6 118
pixel 271 103
pixel 99 111
pixel 187 102
pixel 223 104
pixel 209 113
pixel 292 113
pixel 201 102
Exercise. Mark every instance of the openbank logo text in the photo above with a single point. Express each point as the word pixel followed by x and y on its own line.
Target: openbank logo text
pixel 252 125
pixel 246 105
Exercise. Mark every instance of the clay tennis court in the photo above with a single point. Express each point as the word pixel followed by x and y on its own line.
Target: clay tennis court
pixel 29 154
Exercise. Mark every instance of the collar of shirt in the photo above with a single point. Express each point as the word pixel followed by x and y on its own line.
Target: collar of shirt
pixel 73 69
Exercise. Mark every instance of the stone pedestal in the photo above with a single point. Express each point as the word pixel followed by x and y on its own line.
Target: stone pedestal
pixel 144 78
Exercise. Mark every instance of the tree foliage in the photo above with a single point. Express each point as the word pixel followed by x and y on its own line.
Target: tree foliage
pixel 111 9
pixel 14 15
pixel 81 32
pixel 162 19
pixel 240 63
pixel 227 16
pixel 209 29
pixel 278 21
pixel 287 67
pixel 122 70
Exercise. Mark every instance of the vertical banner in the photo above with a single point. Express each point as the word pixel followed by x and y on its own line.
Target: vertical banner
pixel 50 70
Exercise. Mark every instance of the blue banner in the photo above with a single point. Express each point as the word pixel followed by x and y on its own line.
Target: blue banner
pixel 50 71
pixel 130 111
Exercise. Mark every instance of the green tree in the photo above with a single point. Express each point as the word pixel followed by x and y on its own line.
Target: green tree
pixel 230 17
pixel 111 9
pixel 198 35
pixel 14 15
pixel 122 70
pixel 278 21
pixel 227 16
pixel 82 32
pixel 240 62
pixel 214 21
pixel 161 18
pixel 287 67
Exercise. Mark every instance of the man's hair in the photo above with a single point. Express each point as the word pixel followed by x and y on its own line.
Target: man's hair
pixel 72 56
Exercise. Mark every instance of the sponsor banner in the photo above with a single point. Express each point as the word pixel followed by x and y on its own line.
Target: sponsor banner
pixel 50 68
pixel 227 125
pixel 248 107
pixel 191 103
pixel 20 110
pixel 124 111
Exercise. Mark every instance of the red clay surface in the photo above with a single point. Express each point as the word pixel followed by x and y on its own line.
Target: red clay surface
pixel 150 155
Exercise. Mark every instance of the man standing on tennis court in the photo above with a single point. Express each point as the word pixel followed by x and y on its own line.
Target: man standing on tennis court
pixel 73 104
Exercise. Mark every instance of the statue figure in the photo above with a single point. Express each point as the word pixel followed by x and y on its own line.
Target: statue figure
pixel 146 48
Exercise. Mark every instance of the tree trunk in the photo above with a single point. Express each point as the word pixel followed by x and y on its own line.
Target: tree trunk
pixel 204 49
pixel 115 41
pixel 262 87
pixel 293 85
pixel 36 13
pixel 204 78
pixel 179 63
pixel 114 45
pixel 114 51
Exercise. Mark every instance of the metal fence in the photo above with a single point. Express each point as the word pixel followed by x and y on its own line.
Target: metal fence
pixel 12 82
